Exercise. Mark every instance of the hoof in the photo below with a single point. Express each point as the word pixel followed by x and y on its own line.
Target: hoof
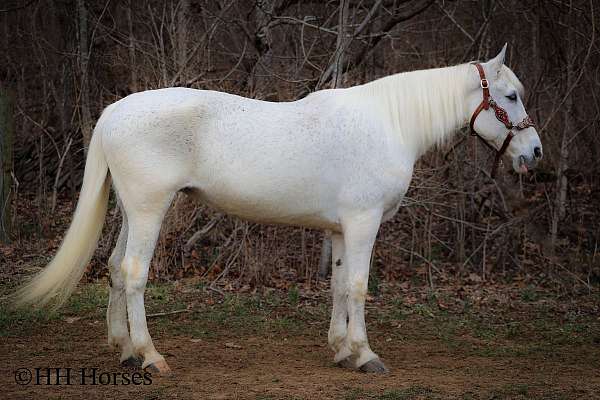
pixel 159 367
pixel 346 363
pixel 131 362
pixel 374 366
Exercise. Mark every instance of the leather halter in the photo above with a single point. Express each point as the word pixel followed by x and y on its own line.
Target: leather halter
pixel 501 115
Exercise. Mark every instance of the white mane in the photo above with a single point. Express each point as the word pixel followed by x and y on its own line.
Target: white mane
pixel 424 106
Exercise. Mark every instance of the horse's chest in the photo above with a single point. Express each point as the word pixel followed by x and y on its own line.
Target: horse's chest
pixel 394 196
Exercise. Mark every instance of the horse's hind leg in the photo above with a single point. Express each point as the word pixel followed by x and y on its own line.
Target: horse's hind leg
pixel 145 212
pixel 116 314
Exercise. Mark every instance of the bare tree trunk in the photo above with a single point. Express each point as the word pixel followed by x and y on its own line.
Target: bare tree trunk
pixel 259 78
pixel 561 178
pixel 6 161
pixel 335 70
pixel 84 99
pixel 182 38
pixel 340 47
pixel 376 61
pixel 133 78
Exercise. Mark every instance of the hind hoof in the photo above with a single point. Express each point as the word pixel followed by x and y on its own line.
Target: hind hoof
pixel 131 362
pixel 160 368
pixel 374 366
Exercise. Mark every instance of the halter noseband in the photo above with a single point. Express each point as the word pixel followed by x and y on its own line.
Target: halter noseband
pixel 501 115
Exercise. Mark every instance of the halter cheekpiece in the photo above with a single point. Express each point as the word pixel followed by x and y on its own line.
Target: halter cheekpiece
pixel 501 115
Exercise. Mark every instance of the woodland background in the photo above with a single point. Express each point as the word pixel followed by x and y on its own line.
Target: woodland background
pixel 63 61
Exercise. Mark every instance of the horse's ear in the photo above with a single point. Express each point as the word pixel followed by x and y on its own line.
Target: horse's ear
pixel 496 63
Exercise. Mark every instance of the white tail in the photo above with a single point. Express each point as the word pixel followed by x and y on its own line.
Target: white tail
pixel 58 280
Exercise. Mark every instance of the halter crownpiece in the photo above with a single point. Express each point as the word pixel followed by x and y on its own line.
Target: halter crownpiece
pixel 501 115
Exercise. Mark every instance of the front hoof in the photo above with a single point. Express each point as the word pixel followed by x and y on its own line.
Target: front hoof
pixel 159 367
pixel 346 363
pixel 374 366
pixel 131 362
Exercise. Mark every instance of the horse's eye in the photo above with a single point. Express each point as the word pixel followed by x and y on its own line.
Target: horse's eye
pixel 512 97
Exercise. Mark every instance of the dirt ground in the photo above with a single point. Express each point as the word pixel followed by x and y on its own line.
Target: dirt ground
pixel 519 344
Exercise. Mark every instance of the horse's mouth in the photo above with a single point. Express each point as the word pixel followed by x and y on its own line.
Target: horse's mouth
pixel 523 168
pixel 524 164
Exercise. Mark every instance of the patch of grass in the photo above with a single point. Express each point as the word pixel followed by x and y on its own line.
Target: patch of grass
pixel 16 322
pixel 447 331
pixel 245 314
pixel 529 294
pixel 293 296
pixel 483 330
pixel 513 330
pixel 89 300
pixel 160 294
pixel 162 298
pixel 423 310
pixel 396 312
pixel 284 324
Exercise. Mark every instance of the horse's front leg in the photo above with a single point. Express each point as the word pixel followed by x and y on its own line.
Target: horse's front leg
pixel 338 326
pixel 360 230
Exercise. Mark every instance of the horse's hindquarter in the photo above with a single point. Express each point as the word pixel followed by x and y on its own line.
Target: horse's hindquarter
pixel 300 163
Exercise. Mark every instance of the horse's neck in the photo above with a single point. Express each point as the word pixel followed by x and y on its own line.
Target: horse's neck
pixel 423 107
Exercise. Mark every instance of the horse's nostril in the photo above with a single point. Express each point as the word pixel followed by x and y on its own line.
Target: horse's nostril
pixel 537 152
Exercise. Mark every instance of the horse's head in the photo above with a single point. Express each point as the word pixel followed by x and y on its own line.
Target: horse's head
pixel 499 116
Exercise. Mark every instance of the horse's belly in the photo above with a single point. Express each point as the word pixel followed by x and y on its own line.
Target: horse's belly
pixel 286 208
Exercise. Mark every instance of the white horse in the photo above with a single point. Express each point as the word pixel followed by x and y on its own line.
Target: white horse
pixel 340 160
